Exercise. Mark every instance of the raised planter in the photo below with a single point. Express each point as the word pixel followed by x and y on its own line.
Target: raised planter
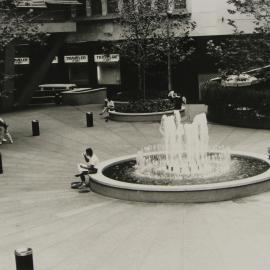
pixel 82 96
pixel 222 116
pixel 141 117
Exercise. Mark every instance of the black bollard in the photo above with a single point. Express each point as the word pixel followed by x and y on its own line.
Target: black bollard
pixel 58 99
pixel 35 128
pixel 89 119
pixel 1 165
pixel 24 259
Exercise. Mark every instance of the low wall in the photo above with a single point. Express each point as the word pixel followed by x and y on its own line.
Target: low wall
pixel 140 117
pixel 82 96
pixel 198 193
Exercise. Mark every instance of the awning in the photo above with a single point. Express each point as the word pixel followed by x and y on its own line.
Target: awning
pixel 62 2
pixel 31 3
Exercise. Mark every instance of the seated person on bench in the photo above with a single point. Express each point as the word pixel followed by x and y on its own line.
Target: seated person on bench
pixel 89 168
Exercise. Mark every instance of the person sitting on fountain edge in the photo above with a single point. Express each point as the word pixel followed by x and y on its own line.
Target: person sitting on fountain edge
pixel 89 168
pixel 171 95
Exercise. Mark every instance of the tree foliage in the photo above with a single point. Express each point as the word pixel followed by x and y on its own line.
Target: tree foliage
pixel 149 35
pixel 15 26
pixel 243 51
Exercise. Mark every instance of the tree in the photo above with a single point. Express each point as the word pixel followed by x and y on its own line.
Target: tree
pixel 145 38
pixel 15 26
pixel 242 51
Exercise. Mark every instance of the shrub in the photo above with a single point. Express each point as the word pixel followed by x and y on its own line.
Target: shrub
pixel 145 106
pixel 254 96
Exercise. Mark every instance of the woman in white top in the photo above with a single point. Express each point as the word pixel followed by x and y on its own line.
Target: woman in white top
pixel 109 106
pixel 171 95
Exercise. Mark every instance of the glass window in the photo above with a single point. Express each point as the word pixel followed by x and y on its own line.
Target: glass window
pixel 112 6
pixel 78 74
pixel 108 74
pixel 178 4
pixel 96 7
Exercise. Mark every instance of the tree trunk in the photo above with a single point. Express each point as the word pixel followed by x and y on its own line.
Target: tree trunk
pixel 169 64
pixel 140 78
pixel 144 84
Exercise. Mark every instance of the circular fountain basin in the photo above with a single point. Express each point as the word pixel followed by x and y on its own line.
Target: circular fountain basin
pixel 184 193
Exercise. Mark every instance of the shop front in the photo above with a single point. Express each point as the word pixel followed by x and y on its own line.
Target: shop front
pixel 108 72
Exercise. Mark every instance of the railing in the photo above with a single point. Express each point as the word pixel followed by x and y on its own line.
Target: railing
pixel 70 12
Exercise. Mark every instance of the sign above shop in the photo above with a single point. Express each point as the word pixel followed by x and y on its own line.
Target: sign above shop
pixel 21 61
pixel 76 58
pixel 106 58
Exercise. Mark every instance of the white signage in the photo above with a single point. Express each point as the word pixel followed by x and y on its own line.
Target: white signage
pixel 21 60
pixel 55 60
pixel 106 58
pixel 76 58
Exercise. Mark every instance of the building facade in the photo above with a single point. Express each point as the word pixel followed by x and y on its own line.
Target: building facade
pixel 84 26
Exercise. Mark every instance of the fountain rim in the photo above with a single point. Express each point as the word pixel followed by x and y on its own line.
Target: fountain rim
pixel 100 178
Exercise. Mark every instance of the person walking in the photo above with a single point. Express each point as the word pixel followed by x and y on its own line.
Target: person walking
pixel 5 136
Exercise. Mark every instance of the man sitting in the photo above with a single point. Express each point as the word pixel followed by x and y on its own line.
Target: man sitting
pixel 85 169
pixel 109 106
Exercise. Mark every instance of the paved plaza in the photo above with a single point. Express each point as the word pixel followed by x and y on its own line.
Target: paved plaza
pixel 68 230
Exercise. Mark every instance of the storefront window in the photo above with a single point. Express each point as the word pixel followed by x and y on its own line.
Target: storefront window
pixel 112 6
pixel 96 7
pixel 108 73
pixel 79 74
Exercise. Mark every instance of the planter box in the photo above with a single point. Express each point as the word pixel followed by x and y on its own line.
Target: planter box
pixel 83 96
pixel 140 117
pixel 234 119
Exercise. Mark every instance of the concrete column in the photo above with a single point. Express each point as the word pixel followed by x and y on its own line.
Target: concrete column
pixel 88 9
pixel 104 7
pixel 41 69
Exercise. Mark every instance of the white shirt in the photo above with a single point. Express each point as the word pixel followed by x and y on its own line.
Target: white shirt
pixel 171 94
pixel 93 161
pixel 110 104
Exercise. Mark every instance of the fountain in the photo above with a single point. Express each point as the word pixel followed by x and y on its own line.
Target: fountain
pixel 183 168
pixel 184 152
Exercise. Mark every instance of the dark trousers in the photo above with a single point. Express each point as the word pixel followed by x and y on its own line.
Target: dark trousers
pixel 90 171
pixel 82 176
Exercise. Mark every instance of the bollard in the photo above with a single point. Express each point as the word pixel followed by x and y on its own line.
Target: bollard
pixel 89 119
pixel 58 99
pixel 35 128
pixel 1 165
pixel 24 259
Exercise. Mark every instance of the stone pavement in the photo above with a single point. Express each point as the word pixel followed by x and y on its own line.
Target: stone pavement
pixel 69 231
